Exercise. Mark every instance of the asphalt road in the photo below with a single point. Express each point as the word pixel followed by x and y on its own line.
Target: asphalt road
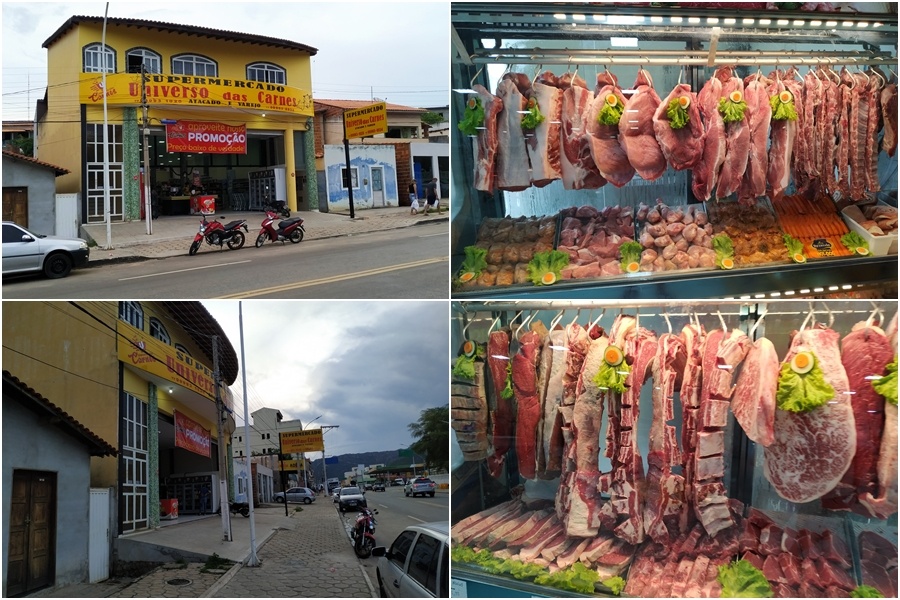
pixel 395 513
pixel 397 263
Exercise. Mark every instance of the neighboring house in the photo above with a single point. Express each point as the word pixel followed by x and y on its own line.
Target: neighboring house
pixel 137 373
pixel 29 193
pixel 15 130
pixel 416 157
pixel 50 519
pixel 199 80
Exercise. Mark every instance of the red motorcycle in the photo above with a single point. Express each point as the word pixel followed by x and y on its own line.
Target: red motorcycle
pixel 288 229
pixel 363 533
pixel 217 234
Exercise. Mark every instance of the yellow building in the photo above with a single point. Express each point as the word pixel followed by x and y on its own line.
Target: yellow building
pixel 139 374
pixel 229 115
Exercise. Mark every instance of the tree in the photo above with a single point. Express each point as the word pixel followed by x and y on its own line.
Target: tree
pixel 25 145
pixel 432 118
pixel 433 437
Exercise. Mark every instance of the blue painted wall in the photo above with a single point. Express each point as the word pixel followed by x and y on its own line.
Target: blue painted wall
pixel 362 158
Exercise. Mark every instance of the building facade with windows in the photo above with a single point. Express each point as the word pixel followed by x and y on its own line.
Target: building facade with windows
pixel 229 115
pixel 139 374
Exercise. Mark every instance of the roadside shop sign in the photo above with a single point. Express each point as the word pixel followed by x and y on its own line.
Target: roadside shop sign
pixel 301 441
pixel 366 121
pixel 206 137
pixel 191 436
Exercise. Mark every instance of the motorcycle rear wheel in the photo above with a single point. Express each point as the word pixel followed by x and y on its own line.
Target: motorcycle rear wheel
pixel 364 548
pixel 236 242
pixel 194 247
pixel 260 240
pixel 245 512
pixel 297 236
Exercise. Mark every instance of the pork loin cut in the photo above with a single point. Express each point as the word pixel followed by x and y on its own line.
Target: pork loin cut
pixel 737 141
pixel 812 450
pixel 683 148
pixel 753 403
pixel 486 142
pixel 577 165
pixel 512 168
pixel 783 133
pixel 636 132
pixel 609 155
pixel 542 143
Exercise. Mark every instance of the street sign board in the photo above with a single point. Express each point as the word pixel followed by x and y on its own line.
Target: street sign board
pixel 366 121
pixel 301 441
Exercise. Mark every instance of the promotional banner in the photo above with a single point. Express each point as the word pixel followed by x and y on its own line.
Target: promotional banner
pixel 366 121
pixel 191 436
pixel 206 137
pixel 301 441
pixel 141 351
pixel 189 90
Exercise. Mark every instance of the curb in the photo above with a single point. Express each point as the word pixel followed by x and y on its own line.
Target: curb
pixel 359 563
pixel 227 577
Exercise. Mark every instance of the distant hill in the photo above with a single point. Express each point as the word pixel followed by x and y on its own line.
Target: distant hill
pixel 347 462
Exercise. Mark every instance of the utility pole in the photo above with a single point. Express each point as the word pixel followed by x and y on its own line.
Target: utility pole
pixel 223 471
pixel 145 180
pixel 324 429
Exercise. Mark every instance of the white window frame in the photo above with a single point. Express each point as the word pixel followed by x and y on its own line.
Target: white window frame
pixel 150 59
pixel 354 177
pixel 159 331
pixel 194 61
pixel 271 73
pixel 92 58
pixel 135 458
pixel 132 313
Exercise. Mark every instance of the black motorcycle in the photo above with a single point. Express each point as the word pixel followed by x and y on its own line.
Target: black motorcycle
pixel 239 507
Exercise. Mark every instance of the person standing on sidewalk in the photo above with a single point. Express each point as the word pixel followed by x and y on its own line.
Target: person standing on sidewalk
pixel 413 198
pixel 432 199
pixel 204 499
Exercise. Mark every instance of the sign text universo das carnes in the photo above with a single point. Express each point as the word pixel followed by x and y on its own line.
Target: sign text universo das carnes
pixel 366 121
pixel 301 441
pixel 203 136
pixel 149 354
pixel 188 90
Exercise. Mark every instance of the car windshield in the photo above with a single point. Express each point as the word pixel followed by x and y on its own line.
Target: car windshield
pixel 349 491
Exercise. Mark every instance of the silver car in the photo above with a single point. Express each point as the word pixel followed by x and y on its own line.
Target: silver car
pixel 297 494
pixel 25 251
pixel 418 563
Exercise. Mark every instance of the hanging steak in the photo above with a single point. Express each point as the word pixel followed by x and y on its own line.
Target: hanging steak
pixel 503 415
pixel 859 122
pixel 706 173
pixel 577 164
pixel 636 130
pixel 512 169
pixel 813 450
pixel 759 116
pixel 737 140
pixel 782 134
pixel 664 500
pixel 864 351
pixel 542 142
pixel 753 403
pixel 884 502
pixel 486 142
pixel 608 154
pixel 693 338
pixel 524 379
pixel 842 151
pixel 578 343
pixel 873 126
pixel 552 369
pixel 889 114
pixel 682 147
pixel 469 414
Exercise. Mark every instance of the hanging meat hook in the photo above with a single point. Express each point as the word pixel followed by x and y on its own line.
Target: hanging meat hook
pixel 668 322
pixel 477 73
pixel 577 316
pixel 722 321
pixel 602 312
pixel 524 323
pixel 494 324
pixel 536 73
pixel 809 315
pixel 758 321
pixel 875 310
pixel 556 320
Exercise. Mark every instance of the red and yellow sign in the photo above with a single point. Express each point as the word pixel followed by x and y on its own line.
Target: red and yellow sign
pixel 301 441
pixel 207 137
pixel 188 90
pixel 366 121
pixel 191 436
pixel 138 349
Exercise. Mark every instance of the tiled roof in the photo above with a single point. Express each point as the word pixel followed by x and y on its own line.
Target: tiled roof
pixel 201 326
pixel 190 30
pixel 339 105
pixel 97 446
pixel 30 159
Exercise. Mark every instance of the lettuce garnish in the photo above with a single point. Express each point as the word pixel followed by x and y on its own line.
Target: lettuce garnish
pixel 576 578
pixel 473 117
pixel 611 114
pixel 724 250
pixel 474 263
pixel 546 267
pixel 631 254
pixel 615 584
pixel 732 111
pixel 612 375
pixel 534 116
pixel 887 385
pixel 853 241
pixel 782 110
pixel 802 392
pixel 678 114
pixel 464 368
pixel 740 579
pixel 794 247
pixel 865 591
pixel 507 392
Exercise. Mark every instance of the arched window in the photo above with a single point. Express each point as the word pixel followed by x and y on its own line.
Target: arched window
pixel 182 349
pixel 266 72
pixel 193 64
pixel 98 61
pixel 132 313
pixel 158 331
pixel 143 56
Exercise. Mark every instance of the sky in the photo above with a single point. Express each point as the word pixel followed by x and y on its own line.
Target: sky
pixel 369 367
pixel 394 51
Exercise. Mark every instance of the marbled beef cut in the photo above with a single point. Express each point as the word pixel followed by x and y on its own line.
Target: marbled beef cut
pixel 813 450
pixel 753 403
pixel 524 379
pixel 486 142
pixel 503 415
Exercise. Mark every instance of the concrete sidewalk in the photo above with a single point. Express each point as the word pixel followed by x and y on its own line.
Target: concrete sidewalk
pixel 172 235
pixel 306 554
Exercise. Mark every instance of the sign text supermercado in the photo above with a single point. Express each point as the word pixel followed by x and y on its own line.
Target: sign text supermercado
pixel 366 121
pixel 207 137
pixel 301 441
pixel 188 90
pixel 149 354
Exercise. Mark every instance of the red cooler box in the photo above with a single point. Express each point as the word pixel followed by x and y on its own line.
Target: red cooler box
pixel 168 508
pixel 203 205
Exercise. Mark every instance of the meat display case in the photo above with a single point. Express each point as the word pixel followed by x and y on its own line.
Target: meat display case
pixel 675 43
pixel 497 474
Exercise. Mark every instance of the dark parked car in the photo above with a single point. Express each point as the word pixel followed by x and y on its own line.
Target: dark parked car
pixel 25 251
pixel 417 564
